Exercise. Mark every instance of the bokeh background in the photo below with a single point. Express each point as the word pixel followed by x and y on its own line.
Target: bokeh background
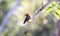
pixel 12 15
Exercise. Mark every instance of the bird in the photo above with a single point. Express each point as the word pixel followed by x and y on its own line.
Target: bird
pixel 27 18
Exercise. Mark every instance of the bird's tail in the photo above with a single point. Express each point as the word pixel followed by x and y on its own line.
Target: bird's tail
pixel 24 22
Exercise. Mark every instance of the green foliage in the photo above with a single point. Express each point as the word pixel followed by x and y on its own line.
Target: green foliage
pixel 3 10
pixel 13 29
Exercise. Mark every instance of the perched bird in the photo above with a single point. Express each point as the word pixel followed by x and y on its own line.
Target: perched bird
pixel 27 18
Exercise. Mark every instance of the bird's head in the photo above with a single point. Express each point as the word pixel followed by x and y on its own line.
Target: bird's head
pixel 26 14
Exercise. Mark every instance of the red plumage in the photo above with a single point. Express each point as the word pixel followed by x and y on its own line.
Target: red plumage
pixel 27 18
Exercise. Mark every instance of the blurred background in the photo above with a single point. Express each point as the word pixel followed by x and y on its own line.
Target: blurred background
pixel 42 22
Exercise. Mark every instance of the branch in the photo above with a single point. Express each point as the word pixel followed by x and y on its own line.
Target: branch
pixel 9 14
pixel 35 16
